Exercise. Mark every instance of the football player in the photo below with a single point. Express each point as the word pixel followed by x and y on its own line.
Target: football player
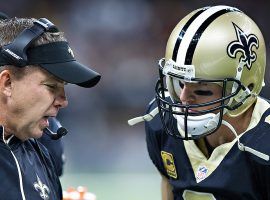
pixel 207 130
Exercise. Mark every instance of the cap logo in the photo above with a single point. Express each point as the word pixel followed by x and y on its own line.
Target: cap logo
pixel 70 52
pixel 168 163
pixel 244 45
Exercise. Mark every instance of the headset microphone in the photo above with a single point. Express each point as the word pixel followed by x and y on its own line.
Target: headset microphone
pixel 59 133
pixel 55 130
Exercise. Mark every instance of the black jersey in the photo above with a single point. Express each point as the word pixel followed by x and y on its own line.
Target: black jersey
pixel 228 174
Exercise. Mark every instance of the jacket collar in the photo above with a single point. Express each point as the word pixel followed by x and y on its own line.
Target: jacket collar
pixel 13 142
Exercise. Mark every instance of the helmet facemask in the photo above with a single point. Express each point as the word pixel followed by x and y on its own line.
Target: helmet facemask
pixel 195 120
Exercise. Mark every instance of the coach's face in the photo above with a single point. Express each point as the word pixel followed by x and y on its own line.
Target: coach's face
pixel 31 100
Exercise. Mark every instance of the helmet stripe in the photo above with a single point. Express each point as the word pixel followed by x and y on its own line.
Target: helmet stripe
pixel 194 32
pixel 196 37
pixel 183 31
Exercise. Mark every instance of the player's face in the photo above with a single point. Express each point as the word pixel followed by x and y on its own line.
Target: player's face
pixel 34 98
pixel 198 93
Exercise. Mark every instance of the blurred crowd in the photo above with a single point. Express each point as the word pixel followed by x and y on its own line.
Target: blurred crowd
pixel 122 40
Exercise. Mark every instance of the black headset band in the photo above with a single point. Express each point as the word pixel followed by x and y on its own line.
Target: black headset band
pixel 15 52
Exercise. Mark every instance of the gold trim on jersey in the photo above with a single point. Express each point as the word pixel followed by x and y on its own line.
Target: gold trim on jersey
pixel 199 162
pixel 168 163
pixel 192 195
pixel 267 119
pixel 203 166
pixel 260 107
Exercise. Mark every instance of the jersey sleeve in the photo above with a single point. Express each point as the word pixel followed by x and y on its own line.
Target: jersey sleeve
pixel 259 140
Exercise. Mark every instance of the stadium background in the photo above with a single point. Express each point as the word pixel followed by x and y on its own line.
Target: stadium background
pixel 122 40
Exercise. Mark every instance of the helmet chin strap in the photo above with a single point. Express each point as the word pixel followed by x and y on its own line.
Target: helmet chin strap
pixel 242 147
pixel 242 95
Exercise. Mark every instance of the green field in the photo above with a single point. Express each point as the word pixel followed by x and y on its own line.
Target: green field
pixel 117 186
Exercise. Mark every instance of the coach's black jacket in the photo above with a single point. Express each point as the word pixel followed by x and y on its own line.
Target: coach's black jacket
pixel 27 171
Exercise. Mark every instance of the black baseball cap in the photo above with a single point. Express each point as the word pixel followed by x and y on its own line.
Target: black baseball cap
pixel 55 57
pixel 58 59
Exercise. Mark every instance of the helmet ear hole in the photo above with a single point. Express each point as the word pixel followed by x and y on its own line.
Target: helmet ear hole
pixel 251 86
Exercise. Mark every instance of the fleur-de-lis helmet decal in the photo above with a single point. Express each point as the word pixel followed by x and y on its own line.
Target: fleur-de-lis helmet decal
pixel 244 44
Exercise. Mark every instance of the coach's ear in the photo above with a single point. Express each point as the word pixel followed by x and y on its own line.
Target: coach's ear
pixel 5 83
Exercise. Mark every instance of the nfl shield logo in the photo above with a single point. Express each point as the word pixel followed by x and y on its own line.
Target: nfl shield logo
pixel 201 173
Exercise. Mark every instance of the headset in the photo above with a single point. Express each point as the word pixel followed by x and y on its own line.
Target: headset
pixel 61 131
pixel 15 54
